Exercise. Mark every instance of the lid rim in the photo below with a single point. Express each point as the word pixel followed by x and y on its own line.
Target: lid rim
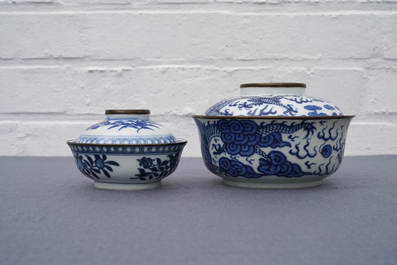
pixel 127 111
pixel 179 141
pixel 275 117
pixel 273 85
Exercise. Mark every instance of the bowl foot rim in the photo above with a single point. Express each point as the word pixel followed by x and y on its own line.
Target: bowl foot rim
pixel 126 186
pixel 273 185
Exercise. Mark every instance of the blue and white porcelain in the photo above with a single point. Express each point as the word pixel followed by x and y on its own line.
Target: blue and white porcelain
pixel 127 127
pixel 282 99
pixel 127 151
pixel 273 137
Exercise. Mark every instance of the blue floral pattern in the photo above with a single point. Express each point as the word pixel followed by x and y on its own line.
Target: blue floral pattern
pixel 127 164
pixel 123 124
pixel 154 168
pixel 94 166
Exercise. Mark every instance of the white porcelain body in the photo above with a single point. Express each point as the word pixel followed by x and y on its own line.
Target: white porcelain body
pixel 127 129
pixel 273 152
pixel 127 167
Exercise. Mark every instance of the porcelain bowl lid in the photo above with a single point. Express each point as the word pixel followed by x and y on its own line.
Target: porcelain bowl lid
pixel 273 99
pixel 127 126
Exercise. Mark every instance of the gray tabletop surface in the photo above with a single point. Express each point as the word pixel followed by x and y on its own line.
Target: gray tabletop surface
pixel 51 214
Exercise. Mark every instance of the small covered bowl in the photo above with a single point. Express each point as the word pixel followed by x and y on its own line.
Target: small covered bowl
pixel 273 136
pixel 127 151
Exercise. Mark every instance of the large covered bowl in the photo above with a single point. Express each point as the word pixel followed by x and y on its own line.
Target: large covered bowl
pixel 273 136
pixel 127 151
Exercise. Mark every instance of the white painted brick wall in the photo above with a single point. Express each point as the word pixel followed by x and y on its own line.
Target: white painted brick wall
pixel 62 63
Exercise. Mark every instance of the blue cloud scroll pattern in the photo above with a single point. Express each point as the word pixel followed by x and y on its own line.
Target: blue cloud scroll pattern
pixel 234 168
pixel 251 149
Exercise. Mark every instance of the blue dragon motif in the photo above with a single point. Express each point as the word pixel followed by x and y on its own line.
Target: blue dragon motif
pixel 245 138
pixel 272 127
pixel 258 101
pixel 324 135
pixel 250 104
pixel 262 112
pixel 300 100
pixel 215 110
pixel 234 147
pixel 308 154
